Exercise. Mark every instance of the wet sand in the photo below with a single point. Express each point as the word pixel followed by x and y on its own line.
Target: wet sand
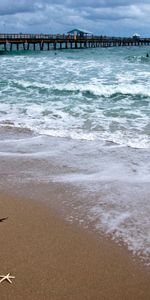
pixel 52 259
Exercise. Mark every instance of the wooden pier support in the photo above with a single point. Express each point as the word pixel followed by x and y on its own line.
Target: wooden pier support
pixel 41 46
pixel 5 47
pixel 54 45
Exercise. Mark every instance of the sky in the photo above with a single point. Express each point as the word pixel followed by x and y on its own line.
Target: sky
pixel 106 17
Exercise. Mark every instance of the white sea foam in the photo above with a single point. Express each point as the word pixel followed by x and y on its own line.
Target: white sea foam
pixel 75 116
pixel 115 202
pixel 128 224
pixel 95 87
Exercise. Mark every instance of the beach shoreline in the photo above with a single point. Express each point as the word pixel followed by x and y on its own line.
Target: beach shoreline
pixel 74 175
pixel 52 259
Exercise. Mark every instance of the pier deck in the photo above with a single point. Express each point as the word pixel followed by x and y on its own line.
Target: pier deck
pixel 16 42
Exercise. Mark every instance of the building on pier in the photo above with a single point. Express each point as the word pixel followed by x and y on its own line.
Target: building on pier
pixel 79 32
pixel 136 36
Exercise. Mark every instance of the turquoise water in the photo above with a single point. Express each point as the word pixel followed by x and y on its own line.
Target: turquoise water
pixel 93 94
pixel 87 114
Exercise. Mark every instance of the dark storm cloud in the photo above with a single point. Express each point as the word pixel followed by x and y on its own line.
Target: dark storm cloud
pixel 122 16
pixel 13 6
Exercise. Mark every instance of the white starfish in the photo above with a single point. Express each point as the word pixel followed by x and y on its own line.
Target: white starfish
pixel 6 277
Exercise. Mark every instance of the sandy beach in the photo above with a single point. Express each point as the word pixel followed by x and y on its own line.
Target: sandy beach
pixel 52 259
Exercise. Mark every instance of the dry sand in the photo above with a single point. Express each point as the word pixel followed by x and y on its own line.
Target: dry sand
pixel 51 259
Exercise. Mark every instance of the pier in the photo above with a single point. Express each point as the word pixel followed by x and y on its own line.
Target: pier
pixel 41 42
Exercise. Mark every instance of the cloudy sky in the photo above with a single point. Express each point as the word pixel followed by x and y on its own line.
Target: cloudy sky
pixel 110 17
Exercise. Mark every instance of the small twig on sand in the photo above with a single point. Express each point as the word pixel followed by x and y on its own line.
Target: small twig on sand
pixel 3 219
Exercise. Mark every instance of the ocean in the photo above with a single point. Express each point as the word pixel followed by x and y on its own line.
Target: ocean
pixel 86 113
